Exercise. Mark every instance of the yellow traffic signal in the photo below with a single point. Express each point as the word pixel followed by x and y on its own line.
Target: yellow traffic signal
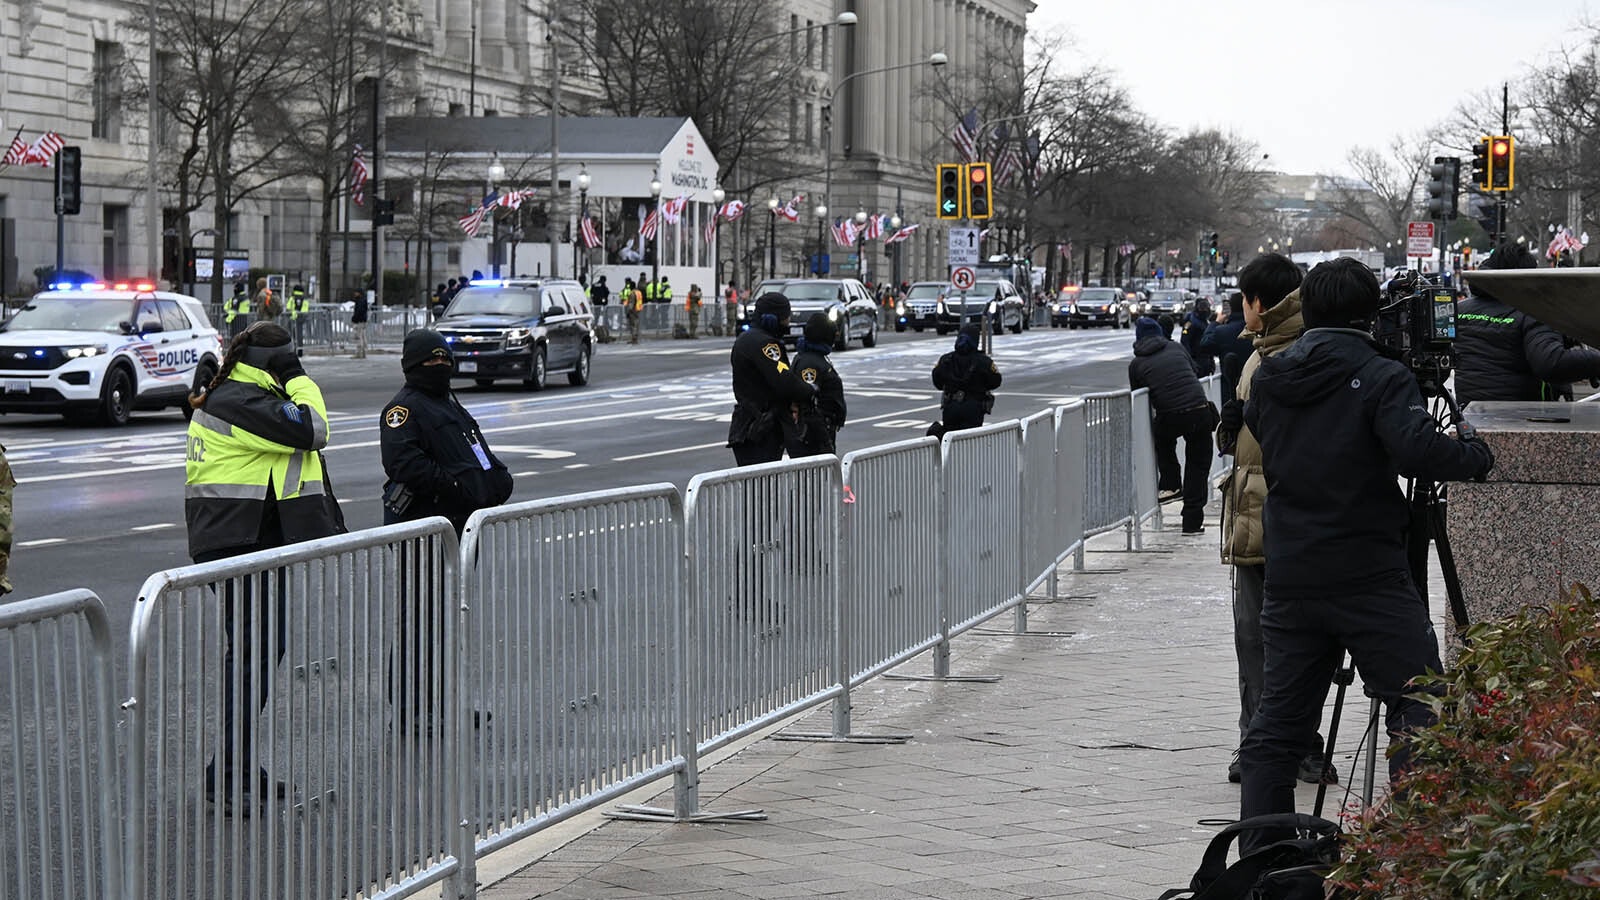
pixel 1480 164
pixel 980 191
pixel 1502 162
pixel 948 193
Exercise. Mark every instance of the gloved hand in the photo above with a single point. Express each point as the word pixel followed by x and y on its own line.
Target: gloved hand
pixel 285 364
pixel 1229 423
pixel 1482 446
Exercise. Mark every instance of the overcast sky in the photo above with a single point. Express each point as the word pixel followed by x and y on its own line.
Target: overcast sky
pixel 1308 80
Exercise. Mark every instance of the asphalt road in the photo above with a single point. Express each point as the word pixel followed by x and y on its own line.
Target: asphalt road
pixel 102 508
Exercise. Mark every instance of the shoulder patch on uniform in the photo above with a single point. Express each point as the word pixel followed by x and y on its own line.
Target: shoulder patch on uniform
pixel 291 412
pixel 809 376
pixel 772 352
pixel 396 416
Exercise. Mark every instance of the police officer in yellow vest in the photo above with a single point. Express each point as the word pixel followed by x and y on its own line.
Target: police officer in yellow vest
pixel 299 304
pixel 650 289
pixel 236 310
pixel 254 481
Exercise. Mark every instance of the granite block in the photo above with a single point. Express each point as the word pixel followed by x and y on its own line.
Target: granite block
pixel 1541 443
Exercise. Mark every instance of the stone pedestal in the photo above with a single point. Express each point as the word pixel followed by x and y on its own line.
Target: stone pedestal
pixel 1532 527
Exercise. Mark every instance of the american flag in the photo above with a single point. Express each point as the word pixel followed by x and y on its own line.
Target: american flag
pixel 964 135
pixel 1066 250
pixel 844 232
pixel 983 234
pixel 513 199
pixel 359 173
pixel 875 226
pixel 791 210
pixel 1125 249
pixel 711 229
pixel 17 152
pixel 43 151
pixel 732 210
pixel 651 225
pixel 902 234
pixel 591 238
pixel 672 210
pixel 472 221
pixel 1564 240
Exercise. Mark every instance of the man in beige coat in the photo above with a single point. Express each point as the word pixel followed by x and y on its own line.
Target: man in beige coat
pixel 1271 288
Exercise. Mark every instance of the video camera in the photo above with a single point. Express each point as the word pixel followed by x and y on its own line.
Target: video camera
pixel 1417 325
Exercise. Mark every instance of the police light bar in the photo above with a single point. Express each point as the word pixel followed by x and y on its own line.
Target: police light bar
pixel 489 282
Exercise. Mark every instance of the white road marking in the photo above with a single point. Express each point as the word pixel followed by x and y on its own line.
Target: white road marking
pixel 41 542
pixel 156 527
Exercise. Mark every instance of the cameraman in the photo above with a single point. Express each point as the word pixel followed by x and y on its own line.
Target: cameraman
pixel 1503 354
pixel 1336 421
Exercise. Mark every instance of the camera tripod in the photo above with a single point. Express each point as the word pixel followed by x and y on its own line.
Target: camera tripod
pixel 1428 503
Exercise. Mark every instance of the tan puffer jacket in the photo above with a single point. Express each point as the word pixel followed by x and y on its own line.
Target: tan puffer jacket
pixel 1244 491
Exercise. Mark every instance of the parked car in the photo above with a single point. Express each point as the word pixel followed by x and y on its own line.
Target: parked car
pixel 919 308
pixel 1097 306
pixel 845 300
pixel 94 350
pixel 996 297
pixel 520 328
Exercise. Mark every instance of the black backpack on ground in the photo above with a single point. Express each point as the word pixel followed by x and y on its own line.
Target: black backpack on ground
pixel 1291 869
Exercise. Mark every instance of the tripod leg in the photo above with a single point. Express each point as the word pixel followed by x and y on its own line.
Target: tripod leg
pixel 1447 560
pixel 1343 677
pixel 1372 755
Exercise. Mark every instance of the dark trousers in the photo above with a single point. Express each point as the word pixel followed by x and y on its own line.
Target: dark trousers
pixel 1194 426
pixel 753 453
pixel 255 637
pixel 1384 624
pixel 416 660
pixel 1249 584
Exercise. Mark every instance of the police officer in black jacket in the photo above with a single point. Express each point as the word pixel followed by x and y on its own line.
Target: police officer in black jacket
pixel 439 464
pixel 1504 354
pixel 1226 339
pixel 1181 410
pixel 767 391
pixel 968 377
pixel 1337 420
pixel 820 420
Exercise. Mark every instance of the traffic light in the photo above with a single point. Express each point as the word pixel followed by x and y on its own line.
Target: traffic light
pixel 1502 162
pixel 1213 245
pixel 1483 210
pixel 949 192
pixel 979 191
pixel 1480 164
pixel 1444 182
pixel 69 181
pixel 382 212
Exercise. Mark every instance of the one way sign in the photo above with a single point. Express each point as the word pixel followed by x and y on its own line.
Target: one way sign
pixel 963 246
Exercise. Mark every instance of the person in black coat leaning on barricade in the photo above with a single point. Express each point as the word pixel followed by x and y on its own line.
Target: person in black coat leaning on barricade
pixel 438 464
pixel 767 391
pixel 1504 354
pixel 819 421
pixel 968 377
pixel 1337 420
pixel 1180 410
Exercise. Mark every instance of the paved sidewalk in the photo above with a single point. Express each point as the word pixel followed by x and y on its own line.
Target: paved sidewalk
pixel 1082 773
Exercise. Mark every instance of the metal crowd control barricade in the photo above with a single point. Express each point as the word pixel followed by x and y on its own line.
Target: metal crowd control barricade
pixel 573 658
pixel 1040 538
pixel 323 676
pixel 891 553
pixel 762 546
pixel 981 479
pixel 59 805
pixel 1220 464
pixel 1108 488
pixel 1071 464
pixel 1146 478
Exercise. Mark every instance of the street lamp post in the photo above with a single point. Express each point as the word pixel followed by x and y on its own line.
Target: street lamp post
pixel 582 270
pixel 655 248
pixel 935 60
pixel 497 171
pixel 894 225
pixel 822 242
pixel 861 245
pixel 772 237
pixel 717 196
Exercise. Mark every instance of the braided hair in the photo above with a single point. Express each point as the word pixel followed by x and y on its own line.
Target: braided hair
pixel 260 334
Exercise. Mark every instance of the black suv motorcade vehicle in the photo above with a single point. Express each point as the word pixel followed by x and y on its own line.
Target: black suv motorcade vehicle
pixel 846 301
pixel 919 308
pixel 520 328
pixel 996 297
pixel 1095 306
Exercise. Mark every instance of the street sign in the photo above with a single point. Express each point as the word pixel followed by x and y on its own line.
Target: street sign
pixel 963 247
pixel 963 277
pixel 1419 239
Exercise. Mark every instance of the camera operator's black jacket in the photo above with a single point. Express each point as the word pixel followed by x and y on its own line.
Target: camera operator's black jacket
pixel 1503 354
pixel 1338 423
pixel 1164 367
pixel 764 385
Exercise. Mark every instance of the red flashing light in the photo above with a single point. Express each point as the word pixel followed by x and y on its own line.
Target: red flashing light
pixel 1500 148
pixel 144 286
pixel 978 174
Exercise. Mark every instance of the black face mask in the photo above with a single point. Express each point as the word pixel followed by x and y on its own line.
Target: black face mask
pixel 430 379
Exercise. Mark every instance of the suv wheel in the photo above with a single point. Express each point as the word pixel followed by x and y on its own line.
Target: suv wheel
pixel 579 375
pixel 536 370
pixel 870 339
pixel 116 396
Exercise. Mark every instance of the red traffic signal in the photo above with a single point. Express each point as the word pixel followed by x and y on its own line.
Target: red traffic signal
pixel 980 199
pixel 1502 162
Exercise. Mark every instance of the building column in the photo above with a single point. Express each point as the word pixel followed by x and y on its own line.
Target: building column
pixel 492 35
pixel 457 27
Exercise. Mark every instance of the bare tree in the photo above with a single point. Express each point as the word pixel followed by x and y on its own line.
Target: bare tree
pixel 1375 207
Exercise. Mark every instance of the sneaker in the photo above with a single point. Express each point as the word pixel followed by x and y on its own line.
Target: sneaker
pixel 1235 774
pixel 1313 770
pixel 1169 496
pixel 1195 531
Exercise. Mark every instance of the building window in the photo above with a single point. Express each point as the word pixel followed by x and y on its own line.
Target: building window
pixel 107 123
pixel 811 44
pixel 487 112
pixel 114 242
pixel 167 76
pixel 421 106
pixel 794 120
pixel 827 61
pixel 794 35
pixel 457 110
pixel 811 138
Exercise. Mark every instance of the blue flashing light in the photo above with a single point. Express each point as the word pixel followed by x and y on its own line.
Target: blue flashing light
pixel 489 282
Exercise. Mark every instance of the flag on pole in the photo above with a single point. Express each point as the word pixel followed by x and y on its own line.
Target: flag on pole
pixel 711 229
pixel 471 222
pixel 591 238
pixel 17 152
pixel 842 233
pixel 902 234
pixel 964 135
pixel 513 199
pixel 1066 250
pixel 672 210
pixel 1125 249
pixel 983 234
pixel 732 210
pixel 875 226
pixel 651 225
pixel 43 151
pixel 359 173
pixel 791 210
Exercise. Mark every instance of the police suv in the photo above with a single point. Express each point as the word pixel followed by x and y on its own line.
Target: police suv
pixel 102 351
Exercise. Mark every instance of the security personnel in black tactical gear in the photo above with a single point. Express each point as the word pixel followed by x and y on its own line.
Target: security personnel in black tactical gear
pixel 968 377
pixel 767 391
pixel 820 420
